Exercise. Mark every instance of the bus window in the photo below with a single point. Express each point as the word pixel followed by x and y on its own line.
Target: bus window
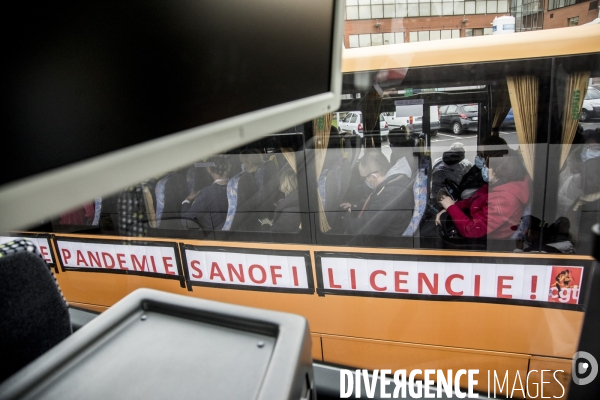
pixel 573 160
pixel 473 156
pixel 253 193
pixel 488 140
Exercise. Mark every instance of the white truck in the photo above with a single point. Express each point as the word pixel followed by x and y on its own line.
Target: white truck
pixel 413 122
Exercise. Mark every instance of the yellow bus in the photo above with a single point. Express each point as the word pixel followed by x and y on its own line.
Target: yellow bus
pixel 294 222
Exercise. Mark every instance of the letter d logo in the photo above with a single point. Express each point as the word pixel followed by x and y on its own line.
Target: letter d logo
pixel 584 368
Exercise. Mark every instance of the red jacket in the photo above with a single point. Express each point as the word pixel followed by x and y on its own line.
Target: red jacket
pixel 494 212
pixel 471 215
pixel 505 207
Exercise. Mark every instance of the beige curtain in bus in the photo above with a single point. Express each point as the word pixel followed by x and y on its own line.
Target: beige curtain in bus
pixel 524 92
pixel 371 106
pixel 575 89
pixel 321 130
pixel 501 104
pixel 290 157
pixel 149 205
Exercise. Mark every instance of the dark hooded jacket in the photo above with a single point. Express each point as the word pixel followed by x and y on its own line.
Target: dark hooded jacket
pixel 472 180
pixel 387 211
pixel 452 166
pixel 209 209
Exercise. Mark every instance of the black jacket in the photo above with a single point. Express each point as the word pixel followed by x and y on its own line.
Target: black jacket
pixel 209 209
pixel 388 209
pixel 287 214
pixel 471 180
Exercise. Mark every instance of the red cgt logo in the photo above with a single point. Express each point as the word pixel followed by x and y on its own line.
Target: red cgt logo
pixel 565 285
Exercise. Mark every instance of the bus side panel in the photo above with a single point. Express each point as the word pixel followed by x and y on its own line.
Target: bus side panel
pixel 317 350
pixel 496 327
pixel 105 289
pixel 484 326
pixel 377 354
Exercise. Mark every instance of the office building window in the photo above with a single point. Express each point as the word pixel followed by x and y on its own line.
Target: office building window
pixel 478 32
pixel 424 36
pixel 573 21
pixel 375 9
pixel 529 14
pixel 375 39
pixel 554 4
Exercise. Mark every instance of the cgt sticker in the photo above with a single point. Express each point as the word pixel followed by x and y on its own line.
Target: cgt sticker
pixel 565 285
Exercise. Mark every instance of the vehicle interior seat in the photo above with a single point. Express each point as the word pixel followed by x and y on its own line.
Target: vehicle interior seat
pixel 133 206
pixel 33 311
pixel 97 211
pixel 267 184
pixel 240 198
pixel 334 180
pixel 587 219
pixel 420 188
pixel 170 191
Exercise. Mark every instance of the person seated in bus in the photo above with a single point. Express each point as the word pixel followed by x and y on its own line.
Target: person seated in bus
pixel 388 210
pixel 403 146
pixel 287 213
pixel 451 166
pixel 251 159
pixel 83 215
pixel 590 167
pixel 496 210
pixel 207 209
pixel 583 213
pixel 265 175
pixel 402 160
pixel 472 181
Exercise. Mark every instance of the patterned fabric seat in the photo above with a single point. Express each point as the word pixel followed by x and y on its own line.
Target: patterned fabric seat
pixel 420 195
pixel 34 313
pixel 241 201
pixel 132 212
pixel 524 224
pixel 332 184
pixel 97 211
pixel 232 194
pixel 170 192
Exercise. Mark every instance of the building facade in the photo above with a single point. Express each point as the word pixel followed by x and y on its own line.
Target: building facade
pixel 381 22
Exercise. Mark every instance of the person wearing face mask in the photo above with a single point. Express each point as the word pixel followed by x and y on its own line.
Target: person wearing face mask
pixel 402 160
pixel 388 210
pixel 473 180
pixel 583 212
pixel 507 194
pixel 590 155
pixel 591 148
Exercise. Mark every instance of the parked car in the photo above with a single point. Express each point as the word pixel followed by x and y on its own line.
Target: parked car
pixel 459 118
pixel 509 121
pixel 353 124
pixel 591 105
pixel 414 123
